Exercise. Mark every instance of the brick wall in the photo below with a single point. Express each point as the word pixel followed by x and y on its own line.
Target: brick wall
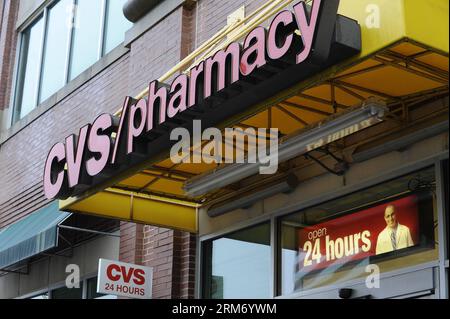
pixel 212 15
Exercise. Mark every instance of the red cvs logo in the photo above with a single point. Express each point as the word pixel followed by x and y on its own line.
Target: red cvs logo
pixel 116 273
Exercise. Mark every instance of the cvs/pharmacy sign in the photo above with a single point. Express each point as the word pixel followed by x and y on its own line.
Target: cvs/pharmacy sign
pixel 122 279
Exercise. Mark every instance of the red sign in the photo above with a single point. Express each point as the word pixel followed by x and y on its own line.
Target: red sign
pixel 373 231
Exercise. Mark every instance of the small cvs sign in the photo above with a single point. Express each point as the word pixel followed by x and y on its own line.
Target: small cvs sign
pixel 122 279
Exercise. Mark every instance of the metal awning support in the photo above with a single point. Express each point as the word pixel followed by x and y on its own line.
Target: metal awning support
pixel 17 271
pixel 88 231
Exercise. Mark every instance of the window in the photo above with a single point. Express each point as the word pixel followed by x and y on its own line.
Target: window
pixel 55 50
pixel 392 225
pixel 115 24
pixel 66 293
pixel 86 36
pixel 238 265
pixel 87 290
pixel 92 289
pixel 64 41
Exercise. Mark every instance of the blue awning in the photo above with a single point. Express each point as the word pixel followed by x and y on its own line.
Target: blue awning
pixel 31 235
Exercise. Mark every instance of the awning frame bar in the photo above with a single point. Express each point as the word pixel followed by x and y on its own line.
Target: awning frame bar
pixel 88 231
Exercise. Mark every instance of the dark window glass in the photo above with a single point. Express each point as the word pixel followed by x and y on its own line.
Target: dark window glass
pixel 92 289
pixel 66 293
pixel 238 265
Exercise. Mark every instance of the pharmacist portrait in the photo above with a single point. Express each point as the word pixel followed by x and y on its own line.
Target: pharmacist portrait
pixel 394 236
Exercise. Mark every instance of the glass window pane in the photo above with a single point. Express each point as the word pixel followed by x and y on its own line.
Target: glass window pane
pixel 116 24
pixel 92 289
pixel 66 293
pixel 29 70
pixel 56 47
pixel 239 264
pixel 392 225
pixel 86 36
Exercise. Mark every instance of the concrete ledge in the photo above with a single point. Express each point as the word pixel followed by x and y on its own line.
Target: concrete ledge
pixel 159 12
pixel 61 94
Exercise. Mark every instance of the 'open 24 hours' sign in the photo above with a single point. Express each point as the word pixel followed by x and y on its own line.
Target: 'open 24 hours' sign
pixel 122 279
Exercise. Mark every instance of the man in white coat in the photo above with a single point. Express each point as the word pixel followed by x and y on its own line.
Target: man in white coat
pixel 394 236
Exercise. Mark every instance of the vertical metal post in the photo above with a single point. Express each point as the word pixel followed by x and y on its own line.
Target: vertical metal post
pixel 442 236
pixel 69 41
pixel 41 57
pixel 273 257
pixel 102 29
pixel 84 289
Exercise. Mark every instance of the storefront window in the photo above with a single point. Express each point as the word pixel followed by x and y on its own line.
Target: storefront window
pixel 67 293
pixel 92 289
pixel 392 225
pixel 238 265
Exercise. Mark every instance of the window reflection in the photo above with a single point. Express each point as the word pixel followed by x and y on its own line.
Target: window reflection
pixel 29 68
pixel 116 24
pixel 239 264
pixel 56 48
pixel 86 37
